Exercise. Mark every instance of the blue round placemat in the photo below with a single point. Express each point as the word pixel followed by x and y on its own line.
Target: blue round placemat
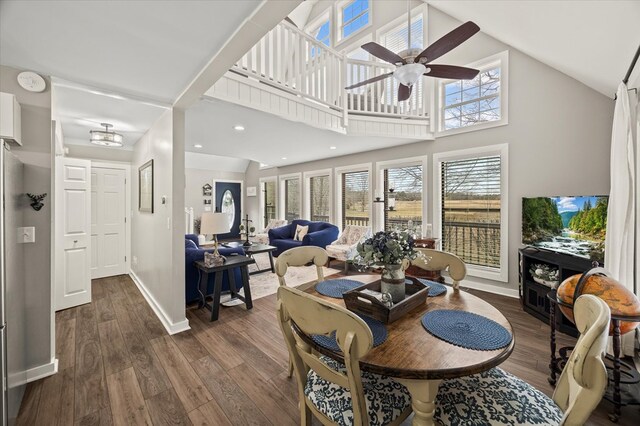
pixel 466 329
pixel 335 288
pixel 435 289
pixel 378 329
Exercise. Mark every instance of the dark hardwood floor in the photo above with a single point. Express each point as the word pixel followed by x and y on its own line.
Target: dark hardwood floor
pixel 119 366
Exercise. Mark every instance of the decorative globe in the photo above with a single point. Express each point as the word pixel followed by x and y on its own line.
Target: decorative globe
pixel 620 299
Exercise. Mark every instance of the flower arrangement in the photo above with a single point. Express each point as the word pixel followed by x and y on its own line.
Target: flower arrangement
pixel 386 248
pixel 545 274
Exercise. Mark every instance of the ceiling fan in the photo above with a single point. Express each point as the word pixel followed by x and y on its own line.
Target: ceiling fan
pixel 411 64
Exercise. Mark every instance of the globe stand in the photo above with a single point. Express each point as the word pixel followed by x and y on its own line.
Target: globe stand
pixel 620 391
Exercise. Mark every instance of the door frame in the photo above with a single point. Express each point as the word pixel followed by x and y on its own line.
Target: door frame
pixel 127 203
pixel 242 195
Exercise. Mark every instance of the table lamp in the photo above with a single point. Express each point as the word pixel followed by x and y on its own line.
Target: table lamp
pixel 214 224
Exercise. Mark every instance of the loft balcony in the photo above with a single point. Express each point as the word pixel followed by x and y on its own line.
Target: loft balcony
pixel 290 74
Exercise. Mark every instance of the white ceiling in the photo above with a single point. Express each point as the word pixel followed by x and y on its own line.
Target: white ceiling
pixel 79 110
pixel 147 48
pixel 267 138
pixel 591 41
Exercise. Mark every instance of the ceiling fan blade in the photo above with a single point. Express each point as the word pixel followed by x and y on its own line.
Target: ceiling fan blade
pixel 371 80
pixel 451 71
pixel 404 92
pixel 383 53
pixel 449 41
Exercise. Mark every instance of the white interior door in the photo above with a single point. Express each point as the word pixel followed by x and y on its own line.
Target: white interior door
pixel 108 212
pixel 72 232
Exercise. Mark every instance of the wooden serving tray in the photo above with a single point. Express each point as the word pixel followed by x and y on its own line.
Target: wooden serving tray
pixel 356 301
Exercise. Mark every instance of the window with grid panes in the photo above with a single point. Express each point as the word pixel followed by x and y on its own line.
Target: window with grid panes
pixel 319 193
pixel 323 35
pixel 355 15
pixel 469 102
pixel 406 214
pixel 269 207
pixel 292 199
pixel 355 198
pixel 471 205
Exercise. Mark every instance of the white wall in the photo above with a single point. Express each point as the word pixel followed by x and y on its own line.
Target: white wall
pixel 156 248
pixel 559 135
pixel 100 153
pixel 196 178
pixel 36 154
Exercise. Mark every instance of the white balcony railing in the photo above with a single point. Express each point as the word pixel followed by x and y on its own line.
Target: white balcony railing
pixel 290 59
pixel 381 97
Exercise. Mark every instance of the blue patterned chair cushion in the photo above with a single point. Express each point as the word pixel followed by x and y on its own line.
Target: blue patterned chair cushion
pixel 386 398
pixel 493 397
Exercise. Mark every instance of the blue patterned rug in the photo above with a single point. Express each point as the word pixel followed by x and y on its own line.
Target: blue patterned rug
pixel 336 288
pixel 378 329
pixel 466 329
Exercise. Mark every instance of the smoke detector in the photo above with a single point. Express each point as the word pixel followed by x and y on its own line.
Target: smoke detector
pixel 31 81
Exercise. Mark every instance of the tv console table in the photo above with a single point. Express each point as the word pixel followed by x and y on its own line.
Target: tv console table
pixel 533 295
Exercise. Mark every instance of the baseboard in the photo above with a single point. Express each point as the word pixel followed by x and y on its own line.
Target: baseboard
pixel 489 288
pixel 171 327
pixel 42 371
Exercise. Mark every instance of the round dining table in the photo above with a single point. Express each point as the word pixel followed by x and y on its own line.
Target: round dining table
pixel 418 359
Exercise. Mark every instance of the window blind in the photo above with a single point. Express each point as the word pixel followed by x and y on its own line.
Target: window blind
pixel 471 204
pixel 406 183
pixel 396 39
pixel 292 199
pixel 355 198
pixel 319 192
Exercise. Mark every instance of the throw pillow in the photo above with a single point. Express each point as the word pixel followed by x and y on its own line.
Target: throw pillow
pixel 344 236
pixel 301 231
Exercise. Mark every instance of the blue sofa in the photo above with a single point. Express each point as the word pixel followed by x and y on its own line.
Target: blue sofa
pixel 193 252
pixel 320 234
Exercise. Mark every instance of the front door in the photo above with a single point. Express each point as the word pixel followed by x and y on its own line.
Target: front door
pixel 73 232
pixel 228 200
pixel 108 212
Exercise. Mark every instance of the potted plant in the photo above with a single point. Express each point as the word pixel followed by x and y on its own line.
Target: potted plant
pixel 392 251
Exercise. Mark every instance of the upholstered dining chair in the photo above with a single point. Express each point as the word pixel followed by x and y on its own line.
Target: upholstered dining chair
pixel 301 256
pixel 333 392
pixel 436 260
pixel 496 397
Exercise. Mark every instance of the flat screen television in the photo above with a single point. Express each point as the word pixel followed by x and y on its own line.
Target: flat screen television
pixel 572 225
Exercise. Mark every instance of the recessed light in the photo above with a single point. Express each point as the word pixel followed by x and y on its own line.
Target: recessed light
pixel 197 145
pixel 284 158
pixel 332 147
pixel 238 128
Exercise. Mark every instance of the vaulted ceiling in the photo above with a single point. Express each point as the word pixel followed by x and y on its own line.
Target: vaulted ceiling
pixel 591 41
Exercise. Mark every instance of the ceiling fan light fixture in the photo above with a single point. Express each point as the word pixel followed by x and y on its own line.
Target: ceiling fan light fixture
pixel 409 74
pixel 105 137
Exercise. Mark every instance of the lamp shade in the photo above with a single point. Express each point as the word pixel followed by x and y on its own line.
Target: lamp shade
pixel 214 223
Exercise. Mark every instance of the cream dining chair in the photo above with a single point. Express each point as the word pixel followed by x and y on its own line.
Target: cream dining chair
pixel 337 393
pixel 498 398
pixel 436 260
pixel 300 256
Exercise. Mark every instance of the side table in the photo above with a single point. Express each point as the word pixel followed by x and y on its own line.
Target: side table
pixel 620 391
pixel 417 272
pixel 241 262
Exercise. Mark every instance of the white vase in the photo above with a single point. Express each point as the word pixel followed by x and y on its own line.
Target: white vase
pixel 201 239
pixel 392 282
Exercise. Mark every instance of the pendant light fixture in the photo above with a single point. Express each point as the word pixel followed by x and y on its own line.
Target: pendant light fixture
pixel 105 137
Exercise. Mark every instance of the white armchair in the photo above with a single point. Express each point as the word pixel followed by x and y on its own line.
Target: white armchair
pixel 344 248
pixel 262 237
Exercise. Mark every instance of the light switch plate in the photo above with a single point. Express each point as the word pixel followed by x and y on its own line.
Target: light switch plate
pixel 27 234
